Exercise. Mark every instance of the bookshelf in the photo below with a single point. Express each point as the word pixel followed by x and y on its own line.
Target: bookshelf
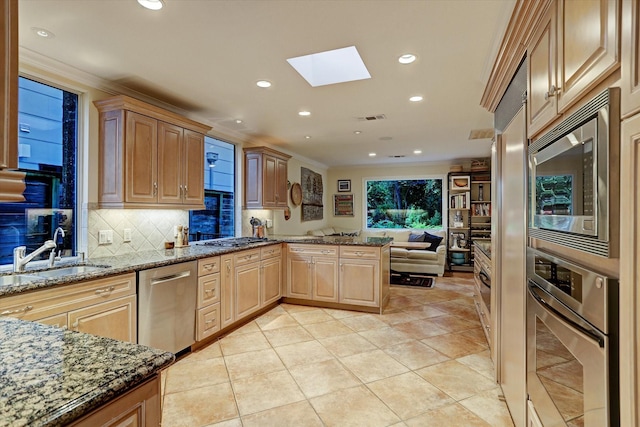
pixel 469 216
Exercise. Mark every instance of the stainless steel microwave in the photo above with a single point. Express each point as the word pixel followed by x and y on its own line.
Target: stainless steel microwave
pixel 574 178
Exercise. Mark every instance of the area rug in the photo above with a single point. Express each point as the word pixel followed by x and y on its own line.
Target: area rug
pixel 412 280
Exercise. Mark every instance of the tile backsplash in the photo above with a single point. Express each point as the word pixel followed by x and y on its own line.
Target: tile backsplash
pixel 149 229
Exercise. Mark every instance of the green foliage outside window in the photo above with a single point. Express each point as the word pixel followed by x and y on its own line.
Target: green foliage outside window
pixel 405 203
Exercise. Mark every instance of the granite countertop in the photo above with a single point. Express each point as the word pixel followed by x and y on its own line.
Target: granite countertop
pixel 51 377
pixel 144 260
pixel 485 247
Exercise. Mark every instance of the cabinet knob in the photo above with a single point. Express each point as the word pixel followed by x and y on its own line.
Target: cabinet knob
pixel 105 290
pixel 18 311
pixel 184 192
pixel 155 188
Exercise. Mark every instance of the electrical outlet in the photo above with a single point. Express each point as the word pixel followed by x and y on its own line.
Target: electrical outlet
pixel 105 237
pixel 127 235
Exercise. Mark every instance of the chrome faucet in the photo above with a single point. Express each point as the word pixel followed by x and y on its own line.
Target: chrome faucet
pixel 53 258
pixel 20 260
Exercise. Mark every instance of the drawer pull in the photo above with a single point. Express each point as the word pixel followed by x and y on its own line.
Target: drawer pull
pixel 18 311
pixel 209 321
pixel 359 253
pixel 297 250
pixel 208 291
pixel 209 266
pixel 105 290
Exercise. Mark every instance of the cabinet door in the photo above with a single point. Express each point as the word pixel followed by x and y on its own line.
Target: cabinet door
pixel 630 99
pixel 541 66
pixel 207 321
pixel 269 181
pixel 59 320
pixel 588 46
pixel 113 319
pixel 141 175
pixel 271 280
pixel 252 180
pixel 359 282
pixel 170 162
pixel 281 183
pixel 299 276
pixel 247 280
pixel 325 279
pixel 9 85
pixel 208 290
pixel 227 291
pixel 193 169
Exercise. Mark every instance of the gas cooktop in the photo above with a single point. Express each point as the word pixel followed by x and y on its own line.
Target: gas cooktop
pixel 234 242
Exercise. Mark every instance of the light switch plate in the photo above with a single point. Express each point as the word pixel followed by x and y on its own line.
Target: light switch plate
pixel 105 237
pixel 127 235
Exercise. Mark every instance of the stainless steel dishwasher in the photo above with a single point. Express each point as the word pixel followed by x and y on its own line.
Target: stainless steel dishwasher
pixel 167 306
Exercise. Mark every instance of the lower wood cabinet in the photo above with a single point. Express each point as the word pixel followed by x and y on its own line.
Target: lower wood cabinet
pixel 139 407
pixel 208 308
pixel 359 282
pixel 247 281
pixel 104 307
pixel 271 280
pixel 227 291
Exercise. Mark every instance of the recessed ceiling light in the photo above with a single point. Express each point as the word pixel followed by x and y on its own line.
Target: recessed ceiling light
pixel 304 113
pixel 357 132
pixel 307 137
pixel 372 154
pixel 407 58
pixel 330 67
pixel 151 4
pixel 263 83
pixel 238 121
pixel 417 151
pixel 417 98
pixel 45 34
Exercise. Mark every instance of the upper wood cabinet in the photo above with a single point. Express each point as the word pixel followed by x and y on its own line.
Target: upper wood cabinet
pixel 265 178
pixel 575 47
pixel 630 97
pixel 9 84
pixel 149 157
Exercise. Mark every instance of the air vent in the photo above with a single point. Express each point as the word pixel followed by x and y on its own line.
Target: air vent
pixel 481 134
pixel 398 156
pixel 369 118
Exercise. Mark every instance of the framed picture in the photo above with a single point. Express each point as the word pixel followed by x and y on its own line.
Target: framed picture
pixel 343 204
pixel 344 185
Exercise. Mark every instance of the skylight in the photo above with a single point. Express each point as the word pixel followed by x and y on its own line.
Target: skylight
pixel 330 67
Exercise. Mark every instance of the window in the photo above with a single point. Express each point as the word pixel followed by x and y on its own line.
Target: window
pixel 404 203
pixel 217 218
pixel 47 134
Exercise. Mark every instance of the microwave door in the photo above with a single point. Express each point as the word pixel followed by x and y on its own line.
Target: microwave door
pixel 563 181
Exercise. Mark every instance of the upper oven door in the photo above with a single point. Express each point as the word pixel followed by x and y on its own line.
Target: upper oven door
pixel 565 181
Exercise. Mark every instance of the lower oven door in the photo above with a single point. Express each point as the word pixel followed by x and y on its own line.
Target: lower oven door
pixel 567 365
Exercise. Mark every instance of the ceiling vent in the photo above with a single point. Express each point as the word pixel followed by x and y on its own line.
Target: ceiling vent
pixel 397 156
pixel 369 118
pixel 481 134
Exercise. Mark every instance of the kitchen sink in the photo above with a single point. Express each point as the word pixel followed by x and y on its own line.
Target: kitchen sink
pixel 18 279
pixel 67 271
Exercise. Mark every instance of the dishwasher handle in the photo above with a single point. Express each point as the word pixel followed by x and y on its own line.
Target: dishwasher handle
pixel 170 278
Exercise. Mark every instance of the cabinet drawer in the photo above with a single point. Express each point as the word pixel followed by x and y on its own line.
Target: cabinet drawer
pixel 208 289
pixel 50 302
pixel 208 321
pixel 246 257
pixel 359 252
pixel 208 265
pixel 270 251
pixel 324 250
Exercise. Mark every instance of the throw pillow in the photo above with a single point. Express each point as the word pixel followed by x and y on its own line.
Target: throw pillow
pixel 434 240
pixel 417 237
pixel 350 233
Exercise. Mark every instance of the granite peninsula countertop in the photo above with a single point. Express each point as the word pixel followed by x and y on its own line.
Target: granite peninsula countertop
pixel 143 260
pixel 485 247
pixel 51 377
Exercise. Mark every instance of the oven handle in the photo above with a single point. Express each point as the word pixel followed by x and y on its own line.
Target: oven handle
pixel 589 333
pixel 484 278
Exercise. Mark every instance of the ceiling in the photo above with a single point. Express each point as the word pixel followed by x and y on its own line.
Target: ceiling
pixel 205 56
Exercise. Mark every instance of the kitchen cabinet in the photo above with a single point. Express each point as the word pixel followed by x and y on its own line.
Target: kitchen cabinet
pixel 105 307
pixel 247 282
pixel 482 292
pixel 9 84
pixel 208 307
pixel 312 272
pixel 138 407
pixel 149 157
pixel 359 282
pixel 575 47
pixel 630 98
pixel 265 178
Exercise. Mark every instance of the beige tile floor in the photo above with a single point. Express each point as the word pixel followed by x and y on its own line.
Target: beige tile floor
pixel 424 362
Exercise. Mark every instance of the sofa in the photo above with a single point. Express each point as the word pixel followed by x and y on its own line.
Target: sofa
pixel 403 260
